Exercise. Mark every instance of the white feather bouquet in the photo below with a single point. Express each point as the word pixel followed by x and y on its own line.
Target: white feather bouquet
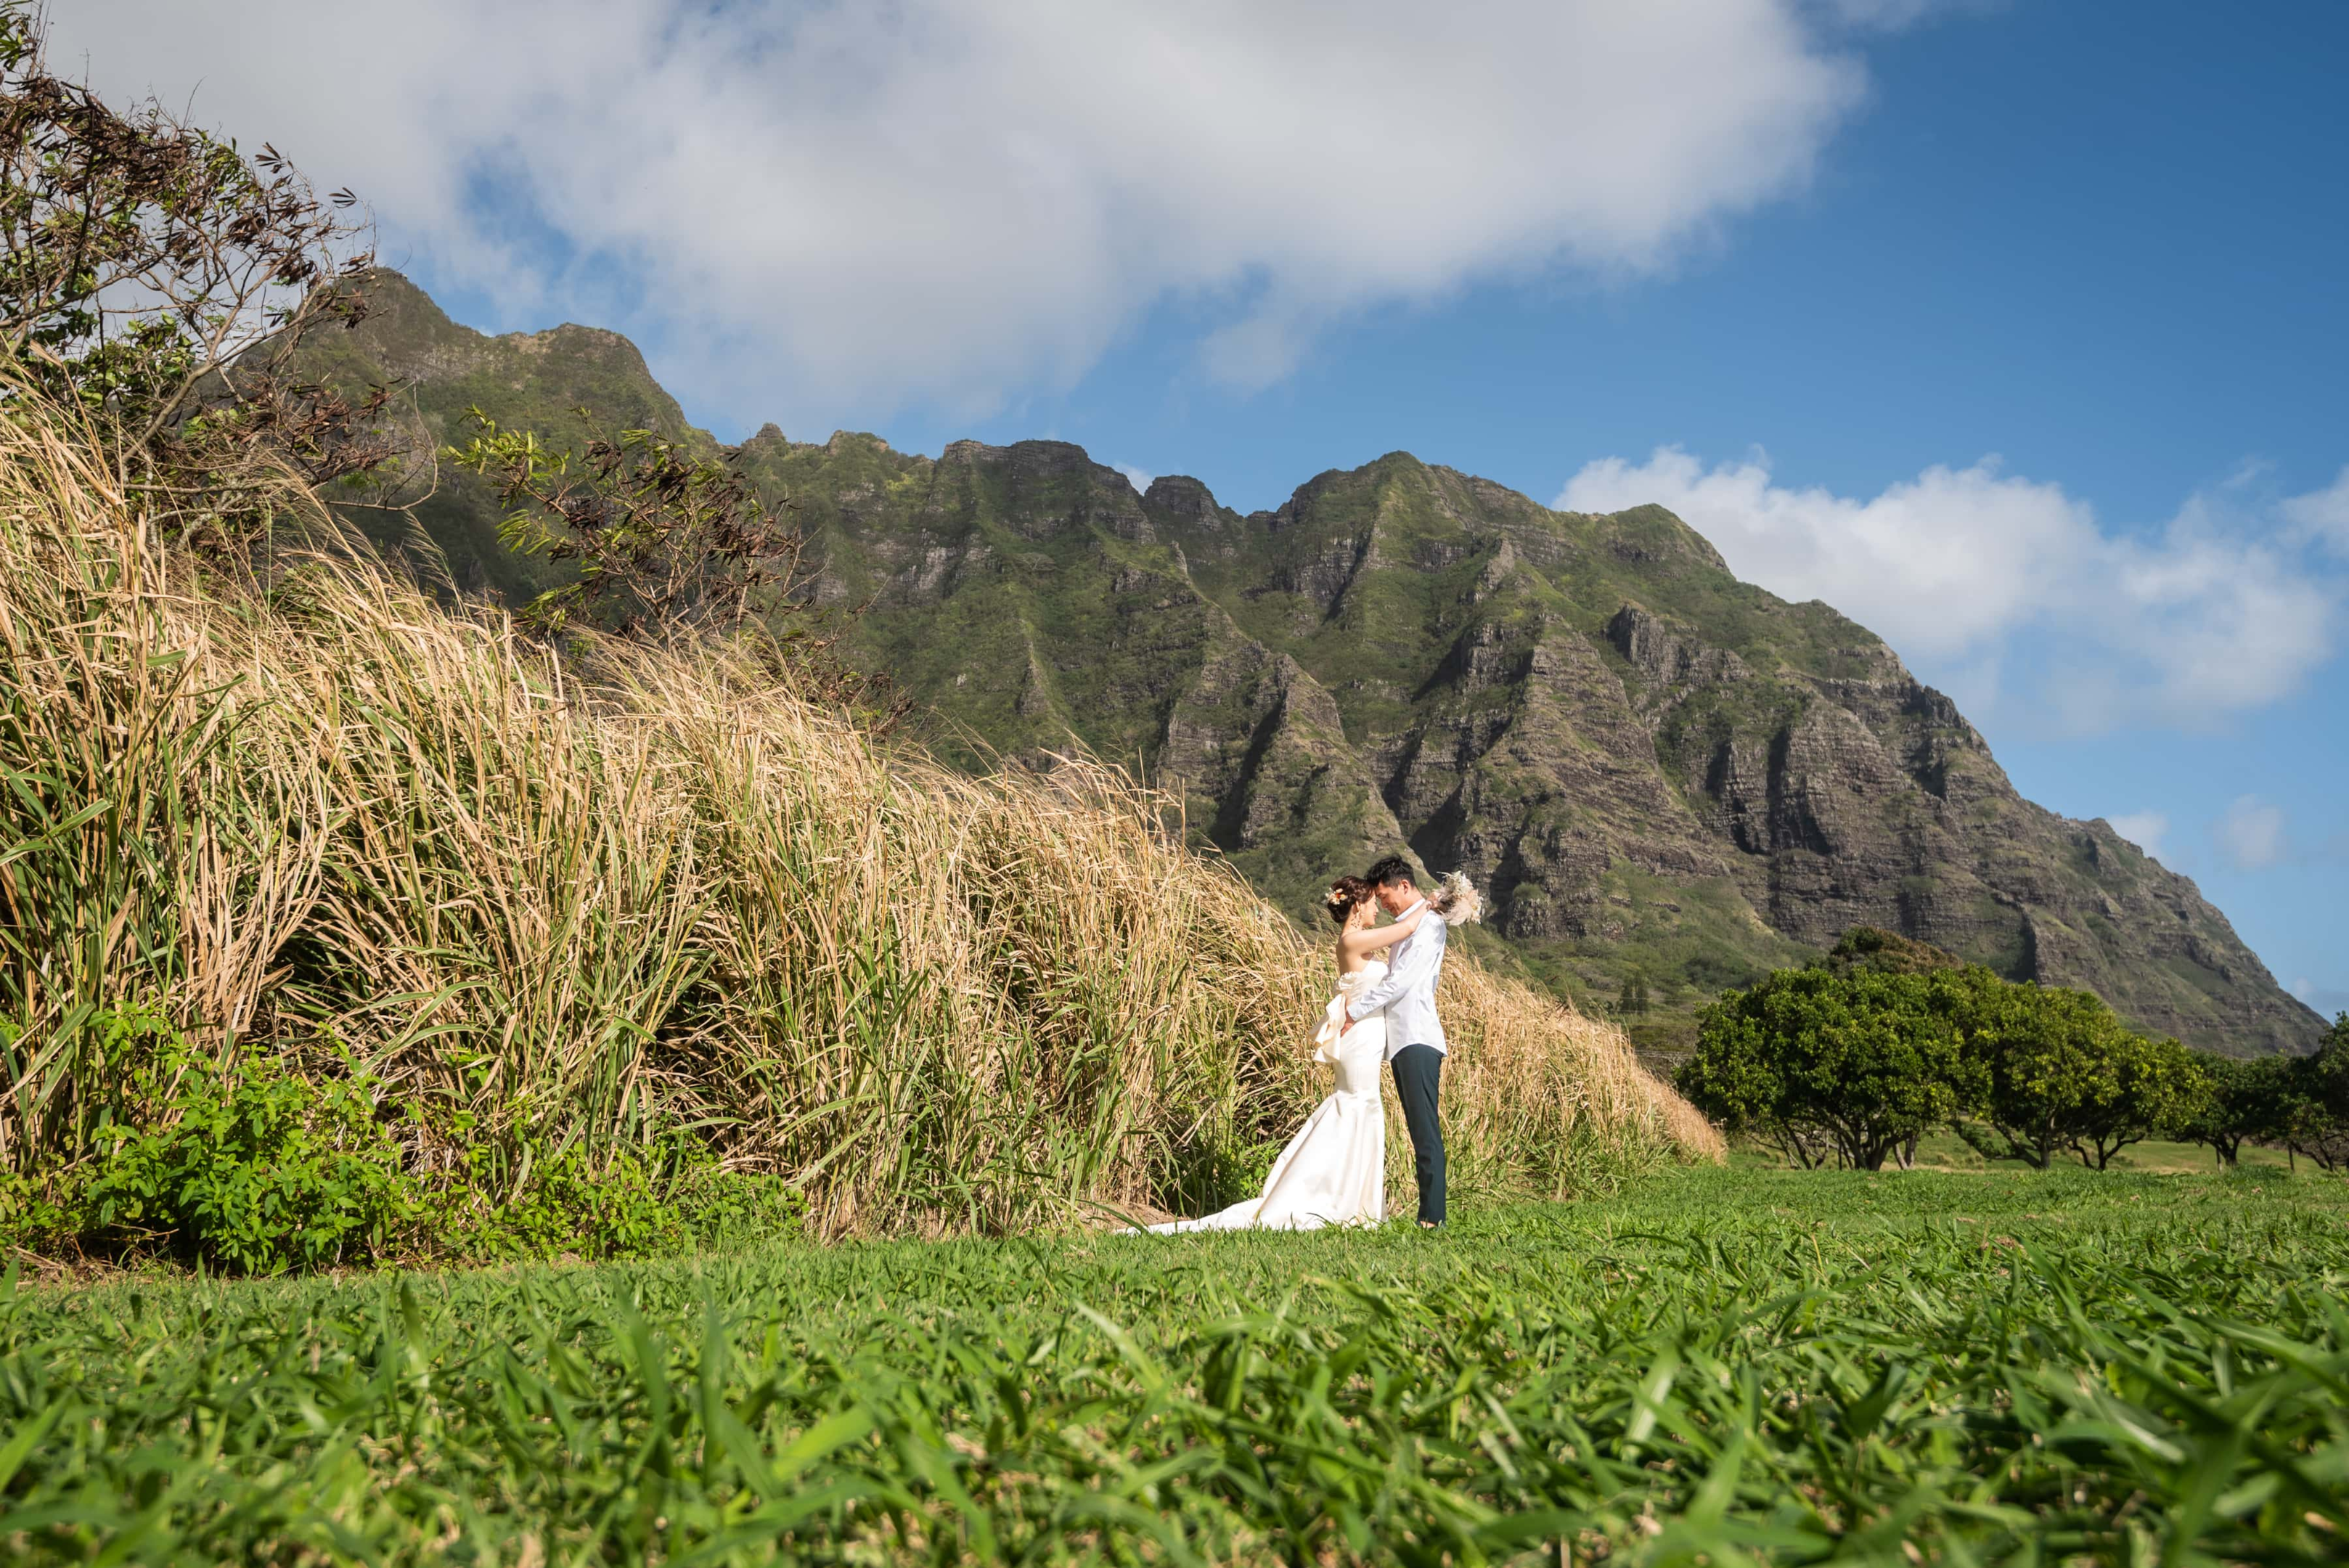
pixel 1455 901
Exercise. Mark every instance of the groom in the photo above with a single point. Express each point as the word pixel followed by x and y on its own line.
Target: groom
pixel 1416 1043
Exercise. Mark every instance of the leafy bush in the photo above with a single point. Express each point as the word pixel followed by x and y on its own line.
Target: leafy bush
pixel 255 1169
pixel 666 539
pixel 2060 1071
pixel 627 1210
pixel 1844 1066
pixel 2313 1110
pixel 732 1210
pixel 2245 1103
pixel 1858 1054
pixel 31 1217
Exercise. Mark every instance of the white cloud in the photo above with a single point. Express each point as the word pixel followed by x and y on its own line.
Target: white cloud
pixel 1139 478
pixel 2251 834
pixel 2146 829
pixel 2215 613
pixel 1890 15
pixel 2321 516
pixel 814 206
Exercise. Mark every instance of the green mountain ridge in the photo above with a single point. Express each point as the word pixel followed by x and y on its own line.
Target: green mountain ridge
pixel 1648 765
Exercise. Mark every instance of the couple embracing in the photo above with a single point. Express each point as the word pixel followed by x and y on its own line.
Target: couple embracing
pixel 1333 1172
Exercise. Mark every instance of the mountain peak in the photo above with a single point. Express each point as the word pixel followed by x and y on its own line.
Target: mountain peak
pixel 1650 532
pixel 1179 496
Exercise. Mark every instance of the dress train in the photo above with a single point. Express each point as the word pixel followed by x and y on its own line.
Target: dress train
pixel 1333 1172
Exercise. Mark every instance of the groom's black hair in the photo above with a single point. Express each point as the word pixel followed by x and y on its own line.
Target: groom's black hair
pixel 1394 869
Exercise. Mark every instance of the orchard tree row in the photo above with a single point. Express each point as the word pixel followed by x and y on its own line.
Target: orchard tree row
pixel 1851 1066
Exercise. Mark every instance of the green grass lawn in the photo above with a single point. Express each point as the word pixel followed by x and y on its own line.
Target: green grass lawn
pixel 1721 1365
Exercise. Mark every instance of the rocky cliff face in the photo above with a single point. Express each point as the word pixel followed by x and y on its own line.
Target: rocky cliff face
pixel 1647 763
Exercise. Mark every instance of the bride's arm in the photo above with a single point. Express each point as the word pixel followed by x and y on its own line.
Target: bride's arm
pixel 1415 966
pixel 1377 938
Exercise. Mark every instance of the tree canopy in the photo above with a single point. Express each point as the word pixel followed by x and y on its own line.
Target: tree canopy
pixel 1844 1066
pixel 1856 1056
pixel 158 278
pixel 2312 1115
pixel 2060 1072
pixel 2245 1103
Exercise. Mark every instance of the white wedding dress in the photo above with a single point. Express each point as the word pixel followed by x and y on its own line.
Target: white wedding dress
pixel 1333 1172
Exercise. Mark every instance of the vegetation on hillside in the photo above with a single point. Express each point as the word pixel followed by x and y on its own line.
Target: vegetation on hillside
pixel 629 914
pixel 1720 1367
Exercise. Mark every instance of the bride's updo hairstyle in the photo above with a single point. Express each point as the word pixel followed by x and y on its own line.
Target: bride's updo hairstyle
pixel 1346 895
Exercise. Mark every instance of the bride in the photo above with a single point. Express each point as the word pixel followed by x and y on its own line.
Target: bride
pixel 1333 1172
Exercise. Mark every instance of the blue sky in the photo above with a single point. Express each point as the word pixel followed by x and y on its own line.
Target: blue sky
pixel 2015 330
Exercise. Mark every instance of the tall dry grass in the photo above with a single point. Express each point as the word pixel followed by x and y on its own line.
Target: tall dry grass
pixel 573 907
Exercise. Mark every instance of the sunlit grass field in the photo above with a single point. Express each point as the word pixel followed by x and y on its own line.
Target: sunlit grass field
pixel 1720 1365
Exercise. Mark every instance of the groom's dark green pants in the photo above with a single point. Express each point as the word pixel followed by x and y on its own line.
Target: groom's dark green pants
pixel 1418 1072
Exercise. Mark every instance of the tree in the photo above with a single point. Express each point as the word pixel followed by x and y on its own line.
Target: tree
pixel 2048 1062
pixel 2314 1115
pixel 2244 1105
pixel 1850 1066
pixel 158 279
pixel 671 542
pixel 2059 1070
pixel 667 539
pixel 1865 947
pixel 2158 1086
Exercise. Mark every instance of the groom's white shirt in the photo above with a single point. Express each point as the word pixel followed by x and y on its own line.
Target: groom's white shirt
pixel 1408 992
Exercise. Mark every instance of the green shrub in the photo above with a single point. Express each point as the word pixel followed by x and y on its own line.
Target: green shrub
pixel 565 1207
pixel 2062 1072
pixel 257 1168
pixel 2246 1103
pixel 628 1209
pixel 32 1215
pixel 731 1210
pixel 1844 1067
pixel 251 1168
